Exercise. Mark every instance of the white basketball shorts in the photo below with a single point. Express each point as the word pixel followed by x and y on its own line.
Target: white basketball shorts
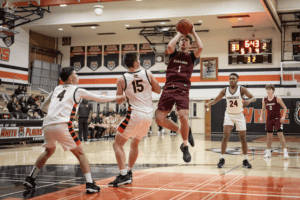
pixel 237 119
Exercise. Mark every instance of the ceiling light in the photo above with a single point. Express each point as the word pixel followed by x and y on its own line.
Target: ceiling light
pixel 200 21
pixel 93 27
pixel 127 25
pixel 163 22
pixel 63 5
pixel 61 29
pixel 138 0
pixel 98 10
pixel 240 18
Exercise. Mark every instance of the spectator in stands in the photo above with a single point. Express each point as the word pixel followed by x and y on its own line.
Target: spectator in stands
pixel 105 113
pixel 39 111
pixel 23 104
pixel 102 127
pixel 110 112
pixel 36 115
pixel 123 110
pixel 42 99
pixel 18 91
pixel 12 105
pixel 31 100
pixel 92 125
pixel 30 114
pixel 5 97
pixel 1 108
pixel 24 90
pixel 18 113
pixel 115 125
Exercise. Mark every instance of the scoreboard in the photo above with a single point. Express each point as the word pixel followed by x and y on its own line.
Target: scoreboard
pixel 250 51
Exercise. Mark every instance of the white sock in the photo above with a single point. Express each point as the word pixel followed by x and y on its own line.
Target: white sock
pixel 185 142
pixel 245 157
pixel 34 172
pixel 222 155
pixel 179 129
pixel 285 150
pixel 123 172
pixel 88 177
pixel 128 169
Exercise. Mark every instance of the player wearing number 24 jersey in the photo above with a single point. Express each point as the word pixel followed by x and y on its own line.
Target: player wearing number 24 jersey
pixel 234 116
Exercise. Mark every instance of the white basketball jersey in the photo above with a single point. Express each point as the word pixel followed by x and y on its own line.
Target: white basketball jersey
pixel 234 101
pixel 63 105
pixel 138 91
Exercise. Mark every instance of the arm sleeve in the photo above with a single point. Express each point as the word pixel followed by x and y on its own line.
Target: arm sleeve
pixel 82 93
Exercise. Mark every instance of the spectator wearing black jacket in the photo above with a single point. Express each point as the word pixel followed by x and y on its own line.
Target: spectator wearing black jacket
pixel 12 105
pixel 31 100
pixel 24 90
pixel 18 113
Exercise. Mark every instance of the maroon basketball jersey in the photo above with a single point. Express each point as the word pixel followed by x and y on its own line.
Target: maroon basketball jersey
pixel 180 69
pixel 273 108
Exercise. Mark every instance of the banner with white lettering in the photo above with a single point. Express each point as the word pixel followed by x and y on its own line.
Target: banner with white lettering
pixel 127 48
pixel 77 57
pixel 111 56
pixel 94 57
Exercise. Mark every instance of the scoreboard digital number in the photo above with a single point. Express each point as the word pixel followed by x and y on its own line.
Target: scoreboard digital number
pixel 250 52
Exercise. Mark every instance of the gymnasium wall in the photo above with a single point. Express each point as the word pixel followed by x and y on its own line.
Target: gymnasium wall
pixel 18 59
pixel 253 76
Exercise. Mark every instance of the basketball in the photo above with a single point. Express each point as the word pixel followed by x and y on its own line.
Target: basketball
pixel 184 26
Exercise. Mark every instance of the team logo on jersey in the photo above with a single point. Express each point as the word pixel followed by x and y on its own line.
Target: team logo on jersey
pixel 297 113
pixel 147 64
pixel 21 132
pixel 9 40
pixel 111 65
pixel 77 66
pixel 135 76
pixel 94 65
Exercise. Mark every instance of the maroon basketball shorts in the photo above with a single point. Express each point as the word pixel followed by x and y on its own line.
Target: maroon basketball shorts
pixel 273 123
pixel 170 96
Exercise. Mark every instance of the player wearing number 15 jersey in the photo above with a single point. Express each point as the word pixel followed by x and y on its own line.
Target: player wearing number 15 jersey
pixel 234 116
pixel 61 107
pixel 138 86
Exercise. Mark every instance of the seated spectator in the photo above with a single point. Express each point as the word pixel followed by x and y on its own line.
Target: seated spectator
pixel 123 110
pixel 105 113
pixel 30 114
pixel 36 115
pixel 31 100
pixel 5 97
pixel 18 113
pixel 115 125
pixel 5 114
pixel 38 110
pixel 41 99
pixel 12 105
pixel 23 104
pixel 92 125
pixel 101 125
pixel 24 91
pixel 110 112
pixel 18 91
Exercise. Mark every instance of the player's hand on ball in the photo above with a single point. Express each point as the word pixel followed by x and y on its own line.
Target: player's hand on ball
pixel 282 119
pixel 246 103
pixel 261 120
pixel 121 98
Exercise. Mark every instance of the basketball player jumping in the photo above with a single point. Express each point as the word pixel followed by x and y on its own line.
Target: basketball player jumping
pixel 61 107
pixel 274 120
pixel 234 115
pixel 138 86
pixel 177 86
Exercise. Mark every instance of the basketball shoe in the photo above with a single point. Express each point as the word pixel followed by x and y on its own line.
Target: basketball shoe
pixel 186 154
pixel 120 180
pixel 92 188
pixel 29 182
pixel 268 154
pixel 246 164
pixel 221 163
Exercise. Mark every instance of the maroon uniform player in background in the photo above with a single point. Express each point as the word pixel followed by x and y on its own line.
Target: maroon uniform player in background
pixel 176 89
pixel 274 120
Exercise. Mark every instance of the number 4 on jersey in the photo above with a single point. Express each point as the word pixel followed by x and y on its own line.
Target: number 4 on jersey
pixel 61 95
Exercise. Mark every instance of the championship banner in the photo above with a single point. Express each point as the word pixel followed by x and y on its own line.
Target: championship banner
pixel 111 56
pixel 192 49
pixel 147 56
pixel 252 115
pixel 127 48
pixel 94 57
pixel 77 57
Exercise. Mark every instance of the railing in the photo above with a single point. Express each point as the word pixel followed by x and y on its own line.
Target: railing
pixel 44 91
pixel 27 83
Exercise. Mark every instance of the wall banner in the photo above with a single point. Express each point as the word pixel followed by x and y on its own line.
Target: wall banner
pixel 111 56
pixel 77 57
pixel 147 56
pixel 94 57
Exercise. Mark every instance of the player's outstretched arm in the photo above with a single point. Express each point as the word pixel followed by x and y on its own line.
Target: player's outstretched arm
pixel 279 100
pixel 46 104
pixel 172 43
pixel 120 88
pixel 244 91
pixel 155 86
pixel 82 93
pixel 262 112
pixel 218 98
pixel 199 49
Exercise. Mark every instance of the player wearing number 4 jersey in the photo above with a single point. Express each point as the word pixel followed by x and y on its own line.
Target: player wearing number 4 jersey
pixel 138 86
pixel 274 120
pixel 234 115
pixel 176 89
pixel 61 107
